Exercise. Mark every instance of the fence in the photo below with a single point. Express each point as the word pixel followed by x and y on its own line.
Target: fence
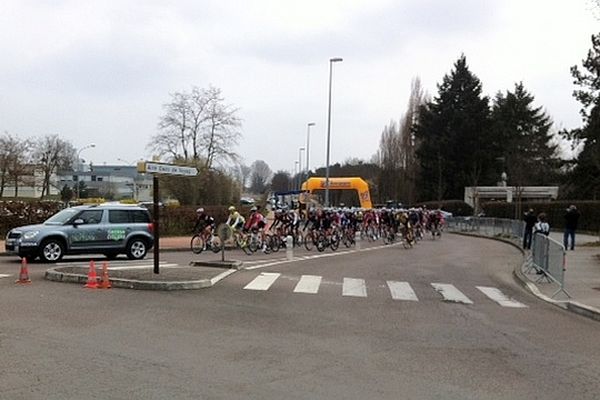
pixel 548 259
pixel 547 256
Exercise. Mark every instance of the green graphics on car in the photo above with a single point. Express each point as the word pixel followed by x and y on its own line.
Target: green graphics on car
pixel 109 229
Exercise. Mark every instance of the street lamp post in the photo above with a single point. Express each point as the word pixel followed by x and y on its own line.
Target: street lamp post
pixel 331 61
pixel 89 146
pixel 300 172
pixel 308 147
pixel 295 173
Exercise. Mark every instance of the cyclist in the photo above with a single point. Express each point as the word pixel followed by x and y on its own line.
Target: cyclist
pixel 434 222
pixel 256 223
pixel 204 223
pixel 235 220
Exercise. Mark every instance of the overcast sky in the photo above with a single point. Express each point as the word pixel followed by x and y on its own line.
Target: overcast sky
pixel 99 71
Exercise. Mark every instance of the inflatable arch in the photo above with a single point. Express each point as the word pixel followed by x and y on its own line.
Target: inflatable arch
pixel 358 184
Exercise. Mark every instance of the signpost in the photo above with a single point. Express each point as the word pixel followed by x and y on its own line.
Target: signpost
pixel 224 233
pixel 156 169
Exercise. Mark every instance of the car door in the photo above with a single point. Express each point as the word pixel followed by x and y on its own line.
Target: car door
pixel 119 226
pixel 88 232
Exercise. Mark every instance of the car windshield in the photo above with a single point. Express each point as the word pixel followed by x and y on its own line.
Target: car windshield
pixel 61 217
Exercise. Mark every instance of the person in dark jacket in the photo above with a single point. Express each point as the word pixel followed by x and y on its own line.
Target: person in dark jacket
pixel 530 220
pixel 571 220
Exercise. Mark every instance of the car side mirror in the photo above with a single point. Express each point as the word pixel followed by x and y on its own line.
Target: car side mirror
pixel 78 221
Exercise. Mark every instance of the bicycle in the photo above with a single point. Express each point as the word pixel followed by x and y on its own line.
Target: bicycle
pixel 205 241
pixel 408 236
pixel 389 235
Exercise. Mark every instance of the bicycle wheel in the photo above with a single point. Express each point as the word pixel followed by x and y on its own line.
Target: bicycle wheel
pixel 309 241
pixel 334 243
pixel 253 244
pixel 242 243
pixel 275 243
pixel 321 243
pixel 298 240
pixel 215 244
pixel 197 244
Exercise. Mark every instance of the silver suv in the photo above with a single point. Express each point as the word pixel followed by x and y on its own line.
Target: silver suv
pixel 98 229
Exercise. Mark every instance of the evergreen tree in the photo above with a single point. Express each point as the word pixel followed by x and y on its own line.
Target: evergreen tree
pixel 586 175
pixel 523 139
pixel 455 140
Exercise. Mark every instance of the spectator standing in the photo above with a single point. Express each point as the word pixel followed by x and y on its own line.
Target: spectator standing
pixel 542 226
pixel 571 220
pixel 530 220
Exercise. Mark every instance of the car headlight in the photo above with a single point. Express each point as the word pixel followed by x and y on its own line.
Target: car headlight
pixel 30 234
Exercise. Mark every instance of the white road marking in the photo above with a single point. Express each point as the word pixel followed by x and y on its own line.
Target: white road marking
pixel 500 298
pixel 451 293
pixel 308 284
pixel 354 287
pixel 263 281
pixel 4 276
pixel 402 291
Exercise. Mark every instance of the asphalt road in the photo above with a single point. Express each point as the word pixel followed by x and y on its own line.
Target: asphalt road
pixel 349 340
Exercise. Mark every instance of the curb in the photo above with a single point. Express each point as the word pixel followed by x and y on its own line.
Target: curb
pixel 56 276
pixel 568 305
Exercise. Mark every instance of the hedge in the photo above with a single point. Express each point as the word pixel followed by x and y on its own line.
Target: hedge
pixel 173 220
pixel 19 213
pixel 555 211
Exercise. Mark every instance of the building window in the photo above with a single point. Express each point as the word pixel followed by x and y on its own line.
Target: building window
pixel 99 179
pixel 93 178
pixel 75 178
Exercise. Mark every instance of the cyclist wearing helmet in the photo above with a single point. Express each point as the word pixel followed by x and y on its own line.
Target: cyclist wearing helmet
pixel 204 222
pixel 235 219
pixel 256 220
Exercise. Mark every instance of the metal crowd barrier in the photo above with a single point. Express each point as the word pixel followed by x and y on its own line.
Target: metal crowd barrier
pixel 548 259
pixel 547 256
pixel 493 227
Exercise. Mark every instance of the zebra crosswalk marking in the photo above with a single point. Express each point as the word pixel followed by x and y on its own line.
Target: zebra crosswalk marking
pixel 499 297
pixel 402 291
pixel 263 281
pixel 354 287
pixel 4 276
pixel 451 293
pixel 308 284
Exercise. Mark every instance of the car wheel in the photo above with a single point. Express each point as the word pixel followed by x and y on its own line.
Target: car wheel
pixel 136 249
pixel 52 251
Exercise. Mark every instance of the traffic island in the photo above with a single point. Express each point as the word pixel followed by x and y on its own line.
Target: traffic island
pixel 170 278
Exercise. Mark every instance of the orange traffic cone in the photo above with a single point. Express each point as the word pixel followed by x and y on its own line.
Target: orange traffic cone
pixel 105 282
pixel 24 273
pixel 91 281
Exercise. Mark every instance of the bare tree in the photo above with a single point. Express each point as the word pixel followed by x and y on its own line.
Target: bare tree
pixel 52 153
pixel 174 126
pixel 241 173
pixel 222 129
pixel 260 176
pixel 408 143
pixel 198 126
pixel 13 161
pixel 397 151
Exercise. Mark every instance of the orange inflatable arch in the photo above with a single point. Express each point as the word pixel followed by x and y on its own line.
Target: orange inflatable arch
pixel 355 183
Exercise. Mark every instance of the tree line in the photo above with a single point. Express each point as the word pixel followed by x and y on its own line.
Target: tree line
pixel 461 138
pixel 20 158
